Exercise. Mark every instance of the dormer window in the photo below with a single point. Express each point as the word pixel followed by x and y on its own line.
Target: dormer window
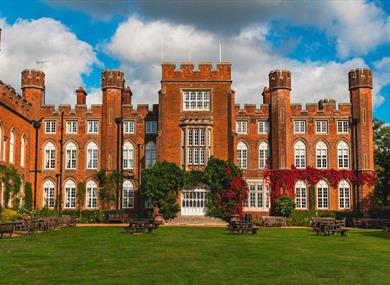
pixel 196 100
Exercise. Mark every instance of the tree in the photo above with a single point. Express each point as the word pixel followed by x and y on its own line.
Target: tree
pixel 161 184
pixel 382 162
pixel 228 189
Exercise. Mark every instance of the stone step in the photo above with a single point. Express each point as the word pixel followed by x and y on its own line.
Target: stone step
pixel 196 220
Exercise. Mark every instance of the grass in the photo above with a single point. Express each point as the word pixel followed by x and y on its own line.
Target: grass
pixel 104 255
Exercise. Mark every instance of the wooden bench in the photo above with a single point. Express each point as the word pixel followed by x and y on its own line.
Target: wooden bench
pixel 117 218
pixel 7 228
pixel 274 221
pixel 140 226
pixel 376 223
pixel 328 226
pixel 242 227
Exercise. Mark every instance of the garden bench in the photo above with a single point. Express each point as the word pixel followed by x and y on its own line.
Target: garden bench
pixel 328 226
pixel 274 221
pixel 7 228
pixel 376 223
pixel 242 227
pixel 117 218
pixel 141 226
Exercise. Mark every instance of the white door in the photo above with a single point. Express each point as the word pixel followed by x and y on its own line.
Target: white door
pixel 194 202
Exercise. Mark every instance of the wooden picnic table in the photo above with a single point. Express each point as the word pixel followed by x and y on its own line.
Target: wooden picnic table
pixel 141 226
pixel 241 227
pixel 328 226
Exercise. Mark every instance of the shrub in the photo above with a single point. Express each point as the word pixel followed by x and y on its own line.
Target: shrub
pixel 8 215
pixel 28 196
pixel 284 206
pixel 303 217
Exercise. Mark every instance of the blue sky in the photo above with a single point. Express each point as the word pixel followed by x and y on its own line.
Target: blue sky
pixel 318 41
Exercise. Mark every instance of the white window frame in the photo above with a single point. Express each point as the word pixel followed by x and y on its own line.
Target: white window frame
pixel 22 150
pixel 50 156
pixel 343 127
pixel 150 127
pixel 242 155
pixel 128 156
pixel 263 127
pixel 300 154
pixel 299 127
pixel 71 127
pixel 128 127
pixel 50 126
pixel 258 196
pixel 344 191
pixel 150 154
pixel 70 195
pixel 300 195
pixel 242 127
pixel 92 127
pixel 196 100
pixel 92 155
pixel 48 194
pixel 321 155
pixel 196 146
pixel 322 195
pixel 128 194
pixel 12 147
pixel 263 154
pixel 343 155
pixel 91 194
pixel 70 155
pixel 322 127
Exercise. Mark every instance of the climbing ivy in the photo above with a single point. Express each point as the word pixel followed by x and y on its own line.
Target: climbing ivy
pixel 13 181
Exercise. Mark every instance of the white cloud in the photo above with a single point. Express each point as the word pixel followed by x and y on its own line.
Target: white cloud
pixel 137 44
pixel 65 58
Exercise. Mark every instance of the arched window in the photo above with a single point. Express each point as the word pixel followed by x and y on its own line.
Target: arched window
pixel 343 154
pixel 92 193
pixel 50 156
pixel 48 194
pixel 70 194
pixel 300 154
pixel 344 195
pixel 242 155
pixel 150 154
pixel 321 155
pixel 322 195
pixel 12 147
pixel 263 155
pixel 71 156
pixel 128 156
pixel 92 156
pixel 22 150
pixel 128 194
pixel 300 195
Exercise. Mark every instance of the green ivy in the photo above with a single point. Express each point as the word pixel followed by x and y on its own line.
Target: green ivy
pixel 107 184
pixel 312 198
pixel 28 201
pixel 13 181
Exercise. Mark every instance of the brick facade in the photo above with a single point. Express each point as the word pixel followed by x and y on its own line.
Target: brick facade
pixel 196 117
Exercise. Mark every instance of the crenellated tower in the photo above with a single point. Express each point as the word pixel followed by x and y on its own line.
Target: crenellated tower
pixel 279 90
pixel 360 87
pixel 112 86
pixel 33 88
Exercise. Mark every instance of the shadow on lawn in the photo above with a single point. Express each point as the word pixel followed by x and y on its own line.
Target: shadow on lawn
pixel 374 233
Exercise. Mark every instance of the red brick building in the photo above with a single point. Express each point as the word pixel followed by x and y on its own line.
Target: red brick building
pixel 55 148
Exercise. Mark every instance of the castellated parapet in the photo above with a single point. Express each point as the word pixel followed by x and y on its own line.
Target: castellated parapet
pixel 360 78
pixel 190 72
pixel 32 78
pixel 113 79
pixel 279 79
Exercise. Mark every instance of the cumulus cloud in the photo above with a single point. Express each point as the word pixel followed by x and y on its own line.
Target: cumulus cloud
pixel 251 55
pixel 357 26
pixel 59 53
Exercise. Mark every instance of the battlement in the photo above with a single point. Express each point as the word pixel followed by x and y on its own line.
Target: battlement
pixel 202 72
pixel 360 78
pixel 279 79
pixel 32 78
pixel 10 97
pixel 112 79
pixel 251 109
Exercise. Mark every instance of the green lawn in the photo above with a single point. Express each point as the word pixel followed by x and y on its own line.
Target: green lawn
pixel 104 255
